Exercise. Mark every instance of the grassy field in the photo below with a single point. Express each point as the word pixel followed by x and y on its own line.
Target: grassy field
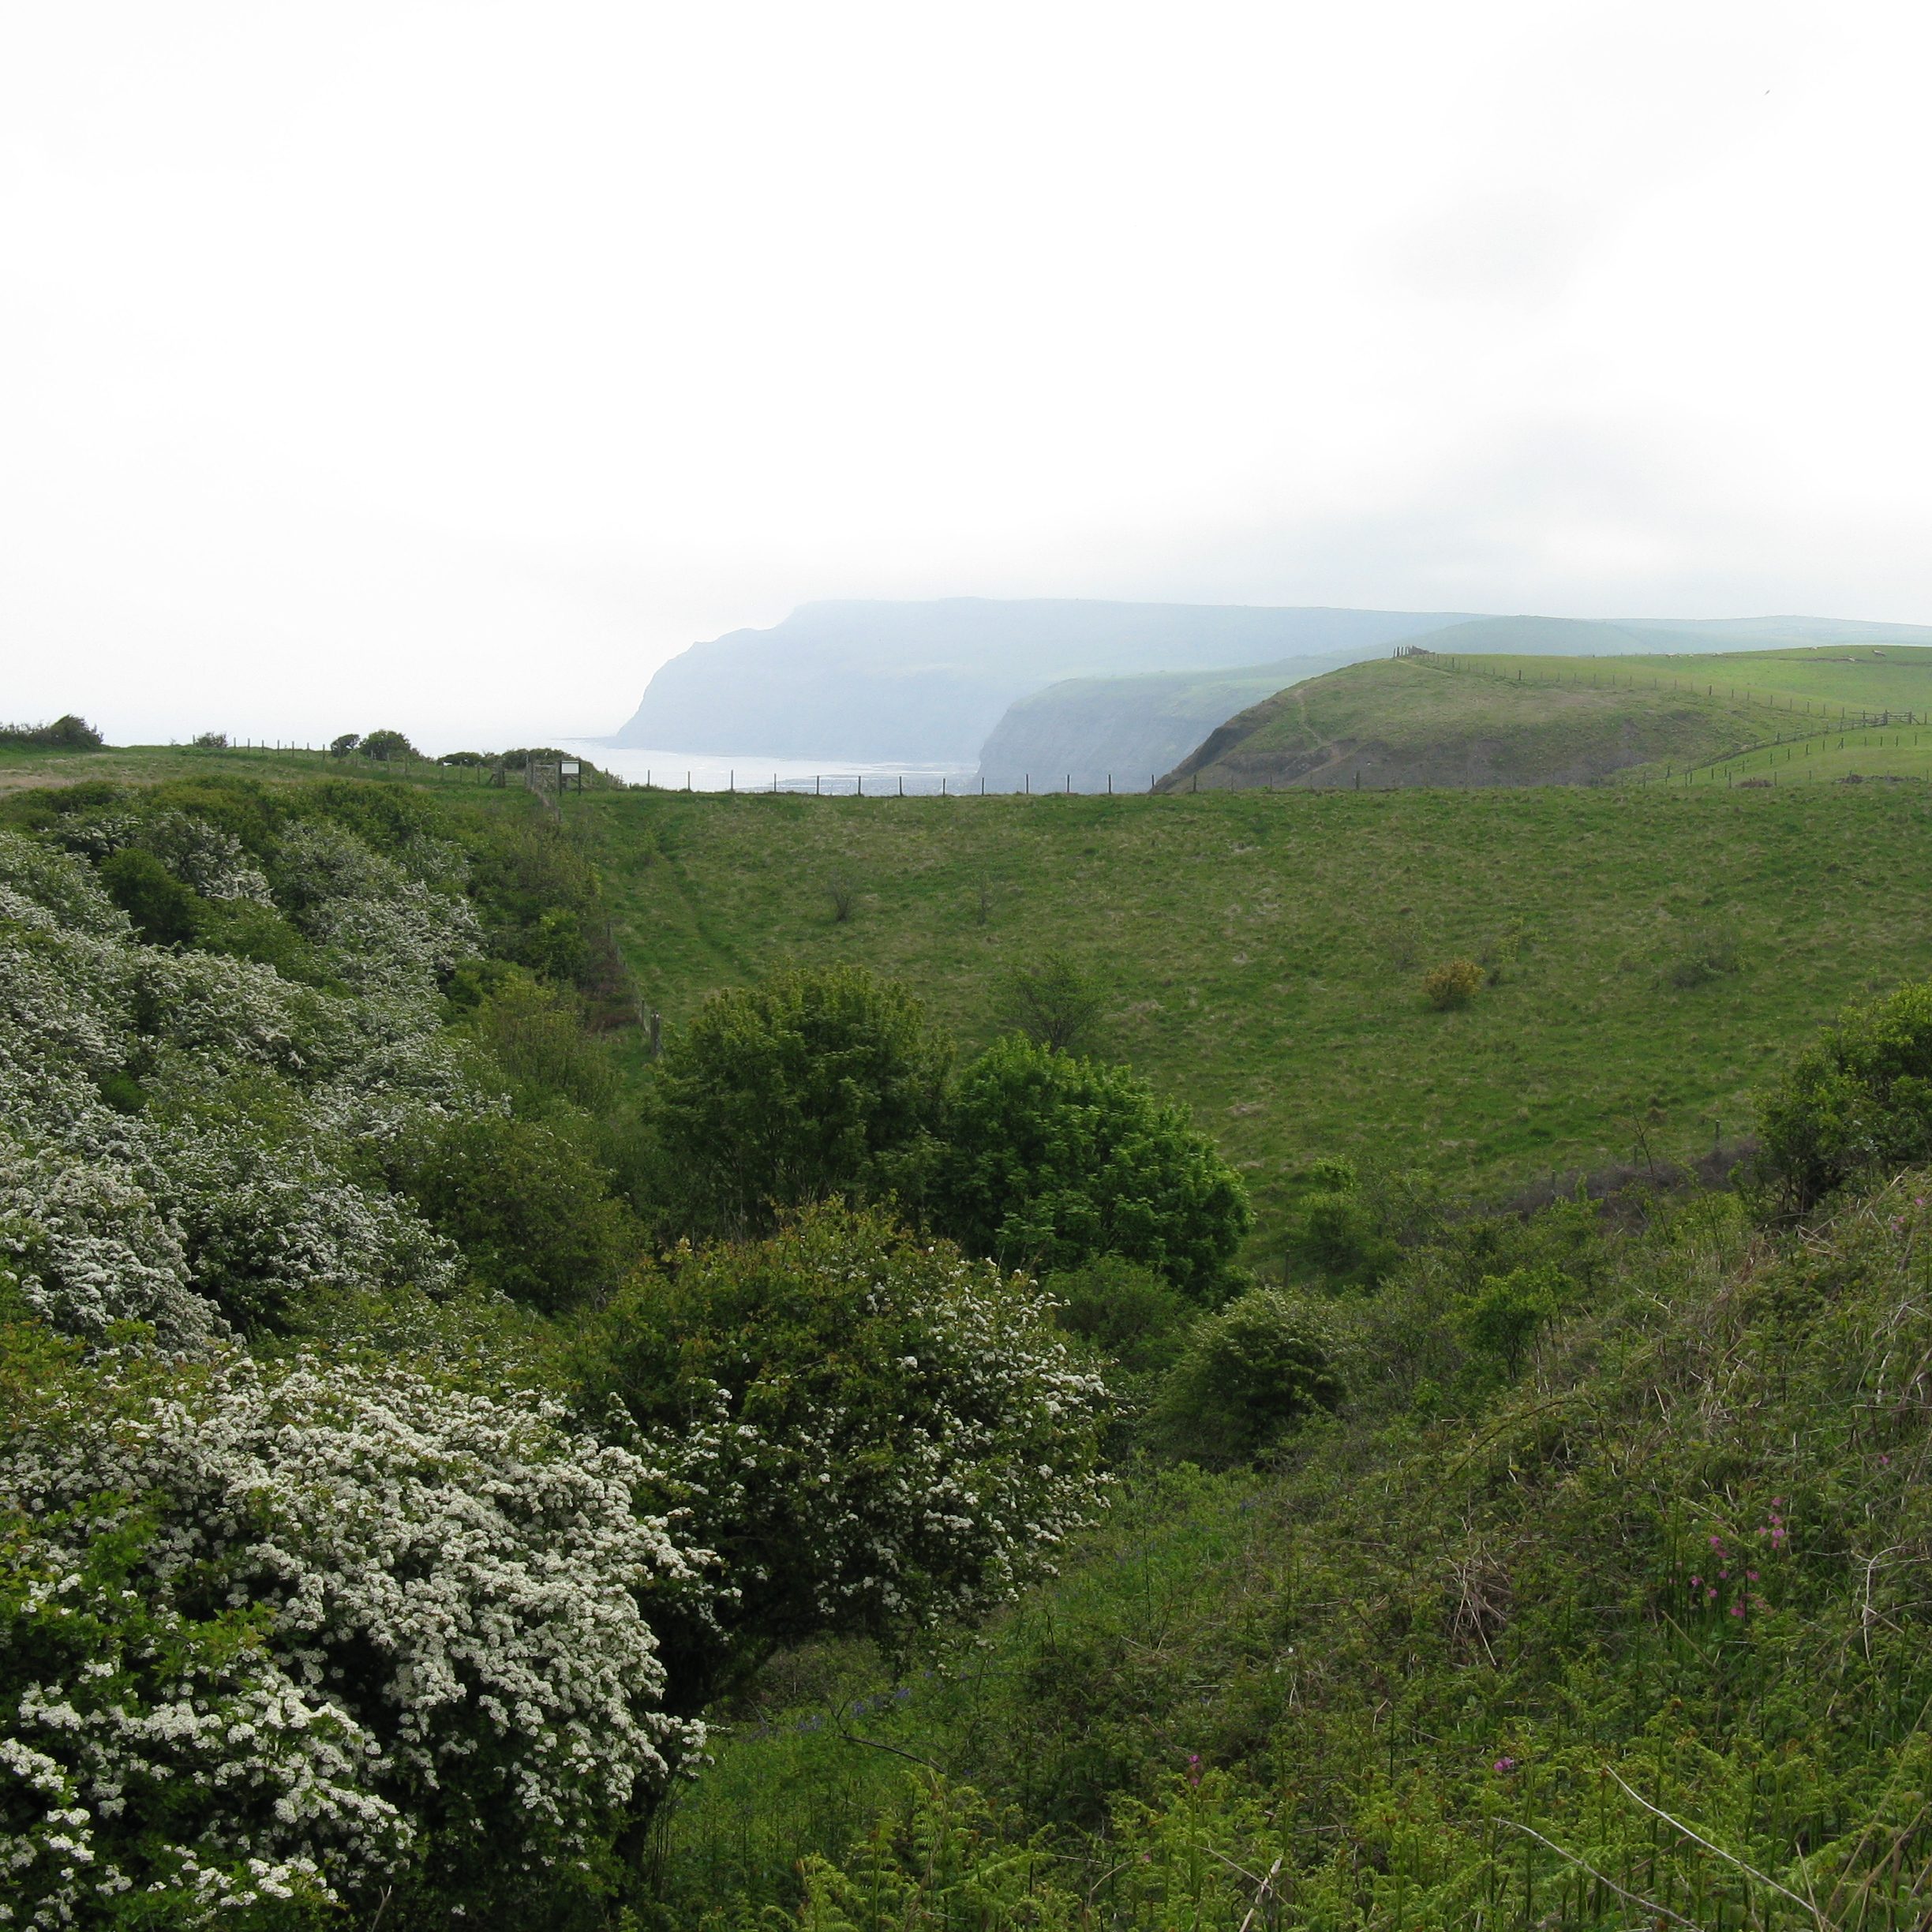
pixel 24 768
pixel 1435 718
pixel 1261 954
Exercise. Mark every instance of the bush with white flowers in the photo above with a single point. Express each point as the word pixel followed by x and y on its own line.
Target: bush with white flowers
pixel 875 1433
pixel 268 1628
pixel 182 1134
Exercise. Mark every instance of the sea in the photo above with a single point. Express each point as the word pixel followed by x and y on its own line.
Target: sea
pixel 750 771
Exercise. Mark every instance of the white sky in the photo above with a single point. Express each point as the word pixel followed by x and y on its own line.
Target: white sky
pixel 450 365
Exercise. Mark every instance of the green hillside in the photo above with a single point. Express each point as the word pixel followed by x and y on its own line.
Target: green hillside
pixel 1437 718
pixel 1440 721
pixel 1092 732
pixel 1260 956
pixel 1597 1640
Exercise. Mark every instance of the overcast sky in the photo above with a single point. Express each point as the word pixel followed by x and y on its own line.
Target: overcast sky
pixel 450 365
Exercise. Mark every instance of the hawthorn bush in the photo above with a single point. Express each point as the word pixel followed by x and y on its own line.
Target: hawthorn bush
pixel 1857 1102
pixel 873 1432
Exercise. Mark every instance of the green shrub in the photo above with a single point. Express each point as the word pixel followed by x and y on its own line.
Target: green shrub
pixel 1124 1312
pixel 1452 985
pixel 536 1035
pixel 1347 1235
pixel 875 1433
pixel 245 928
pixel 68 733
pixel 1252 1372
pixel 817 1083
pixel 532 1213
pixel 1857 1102
pixel 164 911
pixel 1049 1161
pixel 1508 1311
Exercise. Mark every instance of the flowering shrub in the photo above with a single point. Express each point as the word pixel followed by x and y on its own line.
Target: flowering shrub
pixel 875 1433
pixel 1453 985
pixel 269 1625
pixel 181 1133
pixel 88 1247
pixel 379 926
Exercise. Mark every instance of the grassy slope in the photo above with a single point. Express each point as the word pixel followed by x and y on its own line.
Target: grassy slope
pixel 1488 718
pixel 1430 720
pixel 22 769
pixel 1261 954
pixel 1687 1550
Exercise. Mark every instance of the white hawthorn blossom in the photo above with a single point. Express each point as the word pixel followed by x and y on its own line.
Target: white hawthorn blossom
pixel 381 927
pixel 441 1596
pixel 233 1188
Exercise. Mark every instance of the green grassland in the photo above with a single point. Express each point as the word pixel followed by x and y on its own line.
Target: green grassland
pixel 1438 718
pixel 1261 954
pixel 1429 721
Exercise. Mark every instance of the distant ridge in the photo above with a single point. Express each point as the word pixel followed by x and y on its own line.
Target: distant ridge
pixel 926 682
pixel 1459 717
pixel 1086 732
pixel 1077 688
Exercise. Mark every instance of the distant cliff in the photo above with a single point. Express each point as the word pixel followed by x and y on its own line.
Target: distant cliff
pixel 928 682
pixel 1090 732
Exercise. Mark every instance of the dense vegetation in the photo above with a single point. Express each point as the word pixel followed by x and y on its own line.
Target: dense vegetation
pixel 363 1550
pixel 68 733
pixel 842 1474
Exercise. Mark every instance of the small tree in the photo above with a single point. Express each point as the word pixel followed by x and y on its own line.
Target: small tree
pixel 875 1433
pixel 164 911
pixel 820 1082
pixel 1507 1313
pixel 388 744
pixel 341 747
pixel 1053 1003
pixel 532 1213
pixel 1051 1161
